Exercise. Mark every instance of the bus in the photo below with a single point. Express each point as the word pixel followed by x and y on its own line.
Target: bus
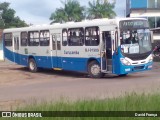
pixel 97 47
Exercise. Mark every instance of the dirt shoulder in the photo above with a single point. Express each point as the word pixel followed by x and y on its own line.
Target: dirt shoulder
pixel 18 86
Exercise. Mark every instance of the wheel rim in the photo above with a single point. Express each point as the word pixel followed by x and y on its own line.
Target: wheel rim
pixel 32 65
pixel 95 69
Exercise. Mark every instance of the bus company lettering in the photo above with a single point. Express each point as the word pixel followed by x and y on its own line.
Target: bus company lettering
pixel 71 52
pixel 91 50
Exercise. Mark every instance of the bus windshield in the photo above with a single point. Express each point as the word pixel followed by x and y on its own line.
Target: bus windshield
pixel 137 41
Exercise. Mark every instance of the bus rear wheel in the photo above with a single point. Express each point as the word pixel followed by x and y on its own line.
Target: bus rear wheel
pixel 32 65
pixel 94 70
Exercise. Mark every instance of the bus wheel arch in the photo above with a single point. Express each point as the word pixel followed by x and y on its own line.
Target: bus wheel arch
pixel 94 69
pixel 32 65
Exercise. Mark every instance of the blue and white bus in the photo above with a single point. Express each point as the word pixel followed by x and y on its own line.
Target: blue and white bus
pixel 96 47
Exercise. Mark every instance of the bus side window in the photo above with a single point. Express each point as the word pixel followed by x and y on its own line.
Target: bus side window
pixel 76 37
pixel 44 38
pixel 64 37
pixel 58 38
pixel 81 37
pixel 54 42
pixel 33 38
pixel 92 36
pixel 24 38
pixel 8 39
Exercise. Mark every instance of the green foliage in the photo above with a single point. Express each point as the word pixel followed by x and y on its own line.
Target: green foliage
pixel 132 102
pixel 72 11
pixel 9 18
pixel 1 24
pixel 101 9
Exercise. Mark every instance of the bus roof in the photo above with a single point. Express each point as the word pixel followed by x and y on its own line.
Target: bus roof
pixel 85 23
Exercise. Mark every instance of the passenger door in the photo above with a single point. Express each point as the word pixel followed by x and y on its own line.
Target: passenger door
pixel 16 49
pixel 56 58
pixel 106 53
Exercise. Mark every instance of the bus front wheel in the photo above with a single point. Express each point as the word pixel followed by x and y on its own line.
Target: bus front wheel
pixel 94 70
pixel 32 65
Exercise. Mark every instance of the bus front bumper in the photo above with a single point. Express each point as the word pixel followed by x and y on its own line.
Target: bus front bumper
pixel 136 68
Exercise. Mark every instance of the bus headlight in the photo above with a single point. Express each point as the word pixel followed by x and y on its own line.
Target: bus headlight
pixel 151 58
pixel 125 62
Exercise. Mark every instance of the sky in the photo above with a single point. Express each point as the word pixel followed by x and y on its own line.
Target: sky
pixel 38 11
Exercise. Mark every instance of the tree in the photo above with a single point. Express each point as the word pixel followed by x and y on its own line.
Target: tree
pixel 72 11
pixel 101 9
pixel 8 16
pixel 58 16
pixel 2 24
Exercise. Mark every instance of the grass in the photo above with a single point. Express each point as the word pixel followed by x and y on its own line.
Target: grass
pixel 133 102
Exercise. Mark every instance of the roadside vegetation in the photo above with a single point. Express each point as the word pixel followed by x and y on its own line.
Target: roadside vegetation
pixel 73 11
pixel 133 102
pixel 8 18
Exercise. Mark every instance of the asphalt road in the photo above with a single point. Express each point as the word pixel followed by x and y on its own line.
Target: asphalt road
pixel 18 86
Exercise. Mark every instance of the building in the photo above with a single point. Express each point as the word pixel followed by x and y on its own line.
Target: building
pixel 149 9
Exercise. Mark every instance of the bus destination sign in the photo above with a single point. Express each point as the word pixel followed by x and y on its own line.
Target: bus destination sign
pixel 130 24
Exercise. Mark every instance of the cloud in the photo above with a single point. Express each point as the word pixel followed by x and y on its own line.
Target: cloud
pixel 39 11
pixel 120 8
pixel 34 11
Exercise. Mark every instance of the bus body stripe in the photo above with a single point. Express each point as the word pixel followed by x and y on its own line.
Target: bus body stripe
pixel 68 63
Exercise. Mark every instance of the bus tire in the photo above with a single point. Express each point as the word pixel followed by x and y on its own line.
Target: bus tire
pixel 94 70
pixel 32 65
